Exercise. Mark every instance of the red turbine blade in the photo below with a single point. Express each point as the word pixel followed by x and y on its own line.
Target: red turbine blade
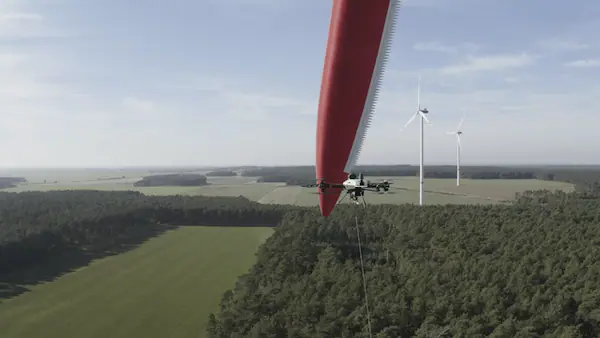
pixel 353 50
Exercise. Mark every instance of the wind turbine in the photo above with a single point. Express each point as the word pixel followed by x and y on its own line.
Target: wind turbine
pixel 458 132
pixel 423 118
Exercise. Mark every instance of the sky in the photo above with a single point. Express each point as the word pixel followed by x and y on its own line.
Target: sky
pixel 212 82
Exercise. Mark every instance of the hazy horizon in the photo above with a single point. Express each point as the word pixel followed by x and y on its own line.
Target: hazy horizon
pixel 114 83
pixel 203 167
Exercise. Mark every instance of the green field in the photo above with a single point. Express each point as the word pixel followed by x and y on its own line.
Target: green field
pixel 164 288
pixel 437 191
pixel 168 285
pixel 219 186
pixel 404 189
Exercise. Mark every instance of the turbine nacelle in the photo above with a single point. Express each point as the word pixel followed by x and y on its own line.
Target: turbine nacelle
pixel 421 113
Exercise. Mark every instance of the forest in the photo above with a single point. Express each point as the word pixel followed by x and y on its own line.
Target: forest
pixel 172 180
pixel 221 173
pixel 61 230
pixel 10 182
pixel 531 269
pixel 303 175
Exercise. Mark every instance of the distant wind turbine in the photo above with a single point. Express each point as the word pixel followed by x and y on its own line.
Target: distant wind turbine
pixel 458 132
pixel 423 118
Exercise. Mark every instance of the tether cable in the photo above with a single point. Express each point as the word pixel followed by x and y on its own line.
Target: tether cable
pixel 364 278
pixel 362 265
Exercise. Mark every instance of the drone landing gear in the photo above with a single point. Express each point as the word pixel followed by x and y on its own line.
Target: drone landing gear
pixel 354 196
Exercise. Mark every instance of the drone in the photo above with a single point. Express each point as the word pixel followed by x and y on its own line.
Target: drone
pixel 354 187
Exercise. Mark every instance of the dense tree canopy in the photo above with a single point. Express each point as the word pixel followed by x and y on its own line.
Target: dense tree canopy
pixel 302 175
pixel 36 226
pixel 526 270
pixel 529 269
pixel 9 182
pixel 221 173
pixel 172 180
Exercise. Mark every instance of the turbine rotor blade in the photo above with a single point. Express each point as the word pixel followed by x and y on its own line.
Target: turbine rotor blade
pixel 462 120
pixel 419 93
pixel 458 141
pixel 410 121
pixel 424 117
pixel 450 133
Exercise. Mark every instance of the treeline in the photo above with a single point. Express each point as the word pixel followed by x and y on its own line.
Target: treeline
pixel 11 182
pixel 38 225
pixel 180 170
pixel 580 176
pixel 221 173
pixel 172 180
pixel 527 270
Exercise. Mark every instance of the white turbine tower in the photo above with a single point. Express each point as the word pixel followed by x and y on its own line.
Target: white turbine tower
pixel 458 132
pixel 423 118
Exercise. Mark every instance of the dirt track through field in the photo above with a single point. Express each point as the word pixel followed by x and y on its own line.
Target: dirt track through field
pixel 282 195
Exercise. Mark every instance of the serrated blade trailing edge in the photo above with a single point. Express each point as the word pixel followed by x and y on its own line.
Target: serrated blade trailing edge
pixel 374 88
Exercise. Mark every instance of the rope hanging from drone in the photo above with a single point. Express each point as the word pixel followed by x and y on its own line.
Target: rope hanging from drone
pixel 362 269
pixel 360 253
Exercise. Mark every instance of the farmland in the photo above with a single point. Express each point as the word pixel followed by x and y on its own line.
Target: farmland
pixel 404 189
pixel 219 186
pixel 437 191
pixel 164 288
pixel 168 285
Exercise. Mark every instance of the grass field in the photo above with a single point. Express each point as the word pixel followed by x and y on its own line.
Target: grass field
pixel 494 189
pixel 404 189
pixel 164 288
pixel 437 191
pixel 168 285
pixel 219 186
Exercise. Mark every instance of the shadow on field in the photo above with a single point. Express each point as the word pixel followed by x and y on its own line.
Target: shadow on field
pixel 67 258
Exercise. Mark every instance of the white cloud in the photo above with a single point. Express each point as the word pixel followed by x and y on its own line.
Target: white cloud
pixel 18 21
pixel 491 63
pixel 138 105
pixel 514 114
pixel 11 60
pixel 21 25
pixel 418 3
pixel 524 125
pixel 22 76
pixel 444 4
pixel 434 46
pixel 259 105
pixel 587 63
pixel 562 45
pixel 35 104
pixel 17 16
pixel 246 99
